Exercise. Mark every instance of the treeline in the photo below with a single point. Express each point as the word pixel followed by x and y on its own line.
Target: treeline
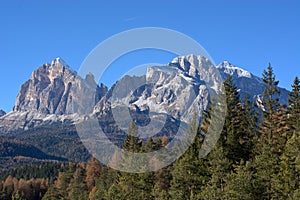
pixel 256 157
pixel 31 181
pixel 18 189
pixel 44 170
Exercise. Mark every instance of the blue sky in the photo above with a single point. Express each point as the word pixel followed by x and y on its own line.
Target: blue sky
pixel 249 34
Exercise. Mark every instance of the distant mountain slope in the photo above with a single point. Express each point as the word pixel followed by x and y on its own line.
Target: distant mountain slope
pixel 247 82
pixel 13 149
pixel 59 140
pixel 17 153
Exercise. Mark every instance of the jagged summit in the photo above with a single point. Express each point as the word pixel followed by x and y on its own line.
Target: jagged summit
pixel 53 89
pixel 196 62
pixel 232 70
pixel 59 61
pixel 191 60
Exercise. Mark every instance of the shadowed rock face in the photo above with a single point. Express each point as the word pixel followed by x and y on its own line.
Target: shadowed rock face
pixel 2 113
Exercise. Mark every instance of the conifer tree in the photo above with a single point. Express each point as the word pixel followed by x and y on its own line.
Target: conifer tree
pixel 271 104
pixel 294 106
pixel 230 136
pixel 248 127
pixel 131 141
pixel 189 173
pixel 239 127
pixel 107 178
pixel 162 183
pixel 78 188
pixel 133 185
pixel 239 182
pixel 289 175
pixel 268 141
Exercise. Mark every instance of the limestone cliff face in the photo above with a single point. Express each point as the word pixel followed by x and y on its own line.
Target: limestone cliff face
pixel 52 94
pixel 177 89
pixel 54 89
pixel 181 87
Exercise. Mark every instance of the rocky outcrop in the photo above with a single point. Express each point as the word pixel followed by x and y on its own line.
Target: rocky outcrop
pixel 248 83
pixel 54 89
pixel 2 113
pixel 52 93
pixel 178 89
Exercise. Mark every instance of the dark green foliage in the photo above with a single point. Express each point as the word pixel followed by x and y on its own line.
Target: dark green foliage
pixel 269 142
pixel 271 92
pixel 239 125
pixel 131 143
pixel 288 178
pixel 45 170
pixel 60 141
pixel 12 149
pixel 239 183
pixel 294 106
pixel 189 172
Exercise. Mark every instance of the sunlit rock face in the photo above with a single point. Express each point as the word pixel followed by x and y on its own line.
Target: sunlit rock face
pixel 53 93
pixel 54 89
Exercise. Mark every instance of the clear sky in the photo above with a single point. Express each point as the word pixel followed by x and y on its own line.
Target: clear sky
pixel 248 33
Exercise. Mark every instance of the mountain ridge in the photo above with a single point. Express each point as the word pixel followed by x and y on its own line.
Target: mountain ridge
pixel 160 102
pixel 52 90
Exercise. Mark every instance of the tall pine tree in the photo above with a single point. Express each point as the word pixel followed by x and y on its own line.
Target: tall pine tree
pixel 189 173
pixel 289 175
pixel 294 106
pixel 268 141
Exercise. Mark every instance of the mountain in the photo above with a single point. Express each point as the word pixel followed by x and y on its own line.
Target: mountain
pixel 180 88
pixel 160 101
pixel 54 91
pixel 247 82
pixel 51 94
pixel 177 89
pixel 169 95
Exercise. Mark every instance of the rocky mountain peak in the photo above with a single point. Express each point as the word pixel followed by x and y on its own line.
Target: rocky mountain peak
pixel 191 64
pixel 54 89
pixel 59 61
pixel 176 89
pixel 229 69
